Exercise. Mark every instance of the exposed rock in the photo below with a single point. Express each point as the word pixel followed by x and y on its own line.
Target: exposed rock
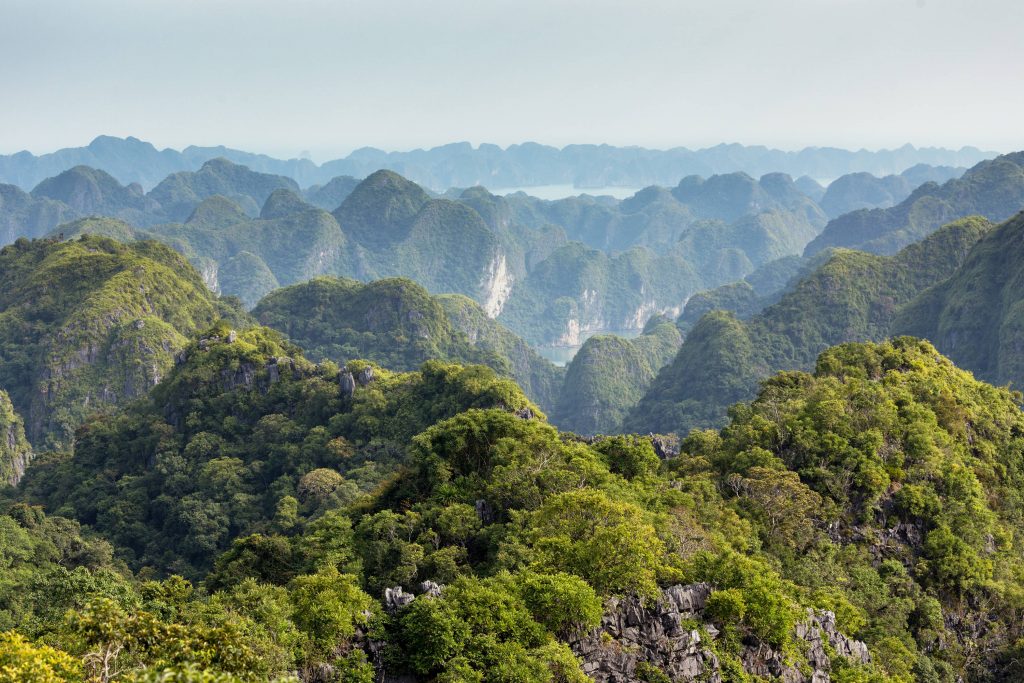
pixel 274 367
pixel 660 635
pixel 15 452
pixel 431 589
pixel 364 376
pixel 242 376
pixel 525 414
pixel 484 511
pixel 666 446
pixel 396 598
pixel 496 286
pixel 348 384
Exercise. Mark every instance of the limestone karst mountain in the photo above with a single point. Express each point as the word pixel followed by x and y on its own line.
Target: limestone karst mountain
pixel 852 296
pixel 89 324
pixel 993 189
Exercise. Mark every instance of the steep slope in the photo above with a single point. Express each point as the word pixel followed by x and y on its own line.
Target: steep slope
pixel 290 242
pixel 91 323
pixel 610 374
pixel 505 351
pixel 993 189
pixel 246 258
pixel 976 317
pixel 330 195
pixel 379 211
pixel 746 297
pixel 22 215
pixel 853 296
pixel 77 192
pixel 399 325
pixel 393 229
pixel 216 211
pixel 731 196
pixel 659 217
pixel 724 253
pixel 395 323
pixel 443 245
pixel 15 450
pixel 88 191
pixel 913 467
pixel 246 276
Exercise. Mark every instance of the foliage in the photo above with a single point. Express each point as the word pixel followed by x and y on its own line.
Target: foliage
pixel 993 189
pixel 91 323
pixel 23 662
pixel 397 324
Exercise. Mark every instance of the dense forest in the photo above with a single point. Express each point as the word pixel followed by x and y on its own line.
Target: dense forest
pixel 254 432
pixel 533 342
pixel 260 516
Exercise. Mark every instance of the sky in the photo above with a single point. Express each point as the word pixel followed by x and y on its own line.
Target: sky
pixel 329 76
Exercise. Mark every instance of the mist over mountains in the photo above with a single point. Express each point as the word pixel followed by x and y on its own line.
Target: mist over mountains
pixel 131 160
pixel 555 272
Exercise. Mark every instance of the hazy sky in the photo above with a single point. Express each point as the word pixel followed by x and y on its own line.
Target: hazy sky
pixel 331 75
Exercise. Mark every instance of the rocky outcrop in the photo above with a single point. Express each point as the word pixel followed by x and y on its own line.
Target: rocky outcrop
pixel 634 637
pixel 671 636
pixel 666 446
pixel 396 598
pixel 349 378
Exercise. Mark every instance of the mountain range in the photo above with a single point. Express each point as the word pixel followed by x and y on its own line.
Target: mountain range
pixel 131 160
pixel 354 476
pixel 993 188
pixel 851 296
pixel 554 271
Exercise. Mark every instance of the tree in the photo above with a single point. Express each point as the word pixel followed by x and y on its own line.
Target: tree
pixel 631 456
pixel 609 543
pixel 24 662
pixel 786 508
pixel 562 603
pixel 328 607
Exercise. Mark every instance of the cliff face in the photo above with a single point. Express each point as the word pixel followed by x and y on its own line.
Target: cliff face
pixel 15 452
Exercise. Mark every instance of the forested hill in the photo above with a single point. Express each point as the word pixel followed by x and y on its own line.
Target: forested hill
pixel 853 296
pixel 610 374
pixel 91 323
pixel 555 272
pixel 399 325
pixel 351 523
pixel 976 317
pixel 460 165
pixel 993 189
